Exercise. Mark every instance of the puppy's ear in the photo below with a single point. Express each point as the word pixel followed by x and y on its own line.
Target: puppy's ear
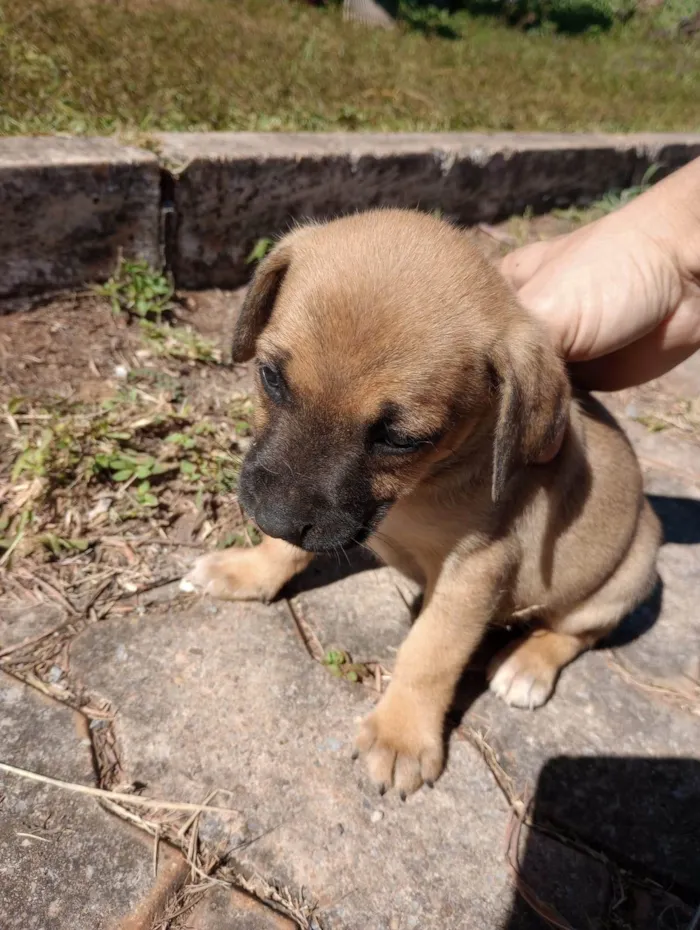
pixel 533 401
pixel 258 303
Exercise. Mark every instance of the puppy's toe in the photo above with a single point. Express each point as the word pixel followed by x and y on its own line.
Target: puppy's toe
pixel 522 678
pixel 402 743
pixel 231 575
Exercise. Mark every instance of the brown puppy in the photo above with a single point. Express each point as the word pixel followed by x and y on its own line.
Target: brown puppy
pixel 405 399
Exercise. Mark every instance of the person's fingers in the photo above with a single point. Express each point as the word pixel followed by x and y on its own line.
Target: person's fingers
pixel 655 354
pixel 522 264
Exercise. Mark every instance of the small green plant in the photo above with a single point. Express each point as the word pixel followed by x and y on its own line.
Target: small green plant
pixel 125 465
pixel 259 250
pixel 59 546
pixel 180 342
pixel 138 291
pixel 613 200
pixel 609 202
pixel 339 664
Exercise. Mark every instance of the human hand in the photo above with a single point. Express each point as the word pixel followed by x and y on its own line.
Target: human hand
pixel 622 295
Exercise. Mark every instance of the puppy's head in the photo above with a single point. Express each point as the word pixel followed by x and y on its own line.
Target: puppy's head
pixel 383 341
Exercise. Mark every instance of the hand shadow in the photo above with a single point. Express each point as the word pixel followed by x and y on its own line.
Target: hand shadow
pixel 615 843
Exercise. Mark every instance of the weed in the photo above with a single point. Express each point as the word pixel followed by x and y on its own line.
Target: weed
pixel 259 250
pixel 609 202
pixel 140 454
pixel 341 665
pixel 139 291
pixel 180 342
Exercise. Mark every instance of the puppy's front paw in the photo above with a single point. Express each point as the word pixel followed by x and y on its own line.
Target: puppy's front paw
pixel 403 740
pixel 522 675
pixel 233 575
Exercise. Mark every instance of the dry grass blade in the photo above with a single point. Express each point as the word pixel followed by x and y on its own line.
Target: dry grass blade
pixel 311 642
pixel 687 698
pixel 32 641
pixel 55 592
pixel 490 757
pixel 526 892
pixel 114 796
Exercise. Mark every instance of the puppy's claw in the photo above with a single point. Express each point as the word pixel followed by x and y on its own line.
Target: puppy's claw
pixel 430 783
pixel 382 791
pixel 355 755
pixel 402 741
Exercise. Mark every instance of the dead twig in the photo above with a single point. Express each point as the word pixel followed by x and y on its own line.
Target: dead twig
pixel 32 641
pixel 114 796
pixel 526 892
pixel 55 592
pixel 310 641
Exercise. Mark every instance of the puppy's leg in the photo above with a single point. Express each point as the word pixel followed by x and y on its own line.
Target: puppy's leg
pixel 404 737
pixel 525 674
pixel 256 574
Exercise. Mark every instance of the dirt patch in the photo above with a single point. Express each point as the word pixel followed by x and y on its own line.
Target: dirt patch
pixel 120 445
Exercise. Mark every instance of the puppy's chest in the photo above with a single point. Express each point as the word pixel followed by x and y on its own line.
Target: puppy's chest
pixel 423 533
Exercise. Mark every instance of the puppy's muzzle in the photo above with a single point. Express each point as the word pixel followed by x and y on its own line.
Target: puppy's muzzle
pixel 315 532
pixel 303 516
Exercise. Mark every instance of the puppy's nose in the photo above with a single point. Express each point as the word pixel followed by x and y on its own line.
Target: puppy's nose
pixel 282 526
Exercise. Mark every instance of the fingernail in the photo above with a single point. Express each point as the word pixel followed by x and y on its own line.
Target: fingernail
pixel 402 795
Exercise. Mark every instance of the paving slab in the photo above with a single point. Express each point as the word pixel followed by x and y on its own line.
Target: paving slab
pixel 69 206
pixel 231 189
pixel 367 613
pixel 231 699
pixel 64 863
pixel 20 623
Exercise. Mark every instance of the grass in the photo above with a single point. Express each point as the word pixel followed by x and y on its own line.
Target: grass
pixel 78 469
pixel 83 66
pixel 75 469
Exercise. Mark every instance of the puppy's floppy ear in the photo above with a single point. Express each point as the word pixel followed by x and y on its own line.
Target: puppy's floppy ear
pixel 259 301
pixel 533 400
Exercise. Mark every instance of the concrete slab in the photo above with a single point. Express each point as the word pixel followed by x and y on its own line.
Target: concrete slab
pixel 232 700
pixel 64 863
pixel 69 206
pixel 20 623
pixel 233 188
pixel 366 614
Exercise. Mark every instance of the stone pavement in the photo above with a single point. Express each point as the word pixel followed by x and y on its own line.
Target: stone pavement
pixel 199 696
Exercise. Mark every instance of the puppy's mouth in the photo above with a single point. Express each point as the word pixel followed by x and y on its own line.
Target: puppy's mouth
pixel 371 525
pixel 324 533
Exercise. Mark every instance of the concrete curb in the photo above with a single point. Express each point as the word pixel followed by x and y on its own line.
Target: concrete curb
pixel 68 206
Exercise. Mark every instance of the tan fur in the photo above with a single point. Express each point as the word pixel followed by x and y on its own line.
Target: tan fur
pixel 394 306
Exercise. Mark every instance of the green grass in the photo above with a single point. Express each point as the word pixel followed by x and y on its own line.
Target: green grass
pixel 81 66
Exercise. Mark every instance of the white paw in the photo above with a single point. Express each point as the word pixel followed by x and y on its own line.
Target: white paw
pixel 233 575
pixel 520 681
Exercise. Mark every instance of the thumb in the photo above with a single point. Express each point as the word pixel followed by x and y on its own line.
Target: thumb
pixel 519 266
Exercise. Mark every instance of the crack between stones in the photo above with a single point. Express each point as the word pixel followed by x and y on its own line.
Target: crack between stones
pixel 620 872
pixel 206 869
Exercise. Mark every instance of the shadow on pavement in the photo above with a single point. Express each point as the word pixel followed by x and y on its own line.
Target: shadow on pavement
pixel 639 818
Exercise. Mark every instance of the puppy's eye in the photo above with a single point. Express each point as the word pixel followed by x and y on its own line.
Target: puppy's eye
pixel 271 381
pixel 388 439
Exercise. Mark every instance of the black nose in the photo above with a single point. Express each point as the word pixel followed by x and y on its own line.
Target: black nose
pixel 281 526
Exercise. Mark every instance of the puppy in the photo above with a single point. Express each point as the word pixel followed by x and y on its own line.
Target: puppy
pixel 408 402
